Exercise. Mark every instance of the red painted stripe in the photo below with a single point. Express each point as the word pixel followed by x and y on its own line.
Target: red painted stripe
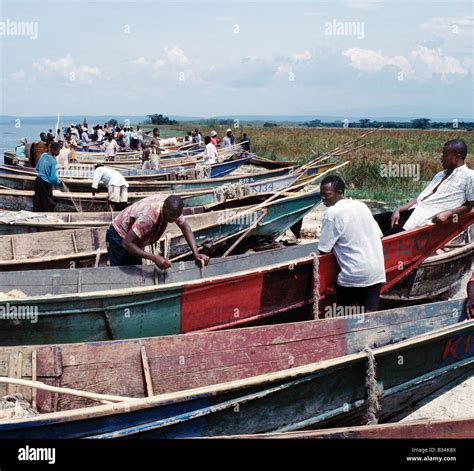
pixel 224 303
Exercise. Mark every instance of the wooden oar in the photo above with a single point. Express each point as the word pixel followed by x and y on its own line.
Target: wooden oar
pixel 343 146
pixel 105 398
pixel 253 226
pixel 278 193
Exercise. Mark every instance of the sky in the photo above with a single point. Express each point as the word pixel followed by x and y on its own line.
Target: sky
pixel 317 58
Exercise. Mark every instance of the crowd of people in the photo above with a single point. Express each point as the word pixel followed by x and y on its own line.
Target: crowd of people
pixel 59 150
pixel 112 139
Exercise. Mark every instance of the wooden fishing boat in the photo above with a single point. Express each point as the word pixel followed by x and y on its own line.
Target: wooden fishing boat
pixel 268 163
pixel 437 277
pixel 170 173
pixel 15 178
pixel 193 195
pixel 195 202
pixel 60 248
pixel 416 429
pixel 125 158
pixel 271 379
pixel 82 181
pixel 78 186
pixel 88 304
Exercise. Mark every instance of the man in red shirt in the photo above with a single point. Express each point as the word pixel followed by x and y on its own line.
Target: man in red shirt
pixel 142 224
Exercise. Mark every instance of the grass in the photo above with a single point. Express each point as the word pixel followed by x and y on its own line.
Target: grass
pixel 363 175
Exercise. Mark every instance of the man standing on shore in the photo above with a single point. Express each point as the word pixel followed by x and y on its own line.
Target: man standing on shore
pixel 349 230
pixel 47 177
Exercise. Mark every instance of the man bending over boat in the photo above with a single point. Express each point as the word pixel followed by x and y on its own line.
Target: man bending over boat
pixel 47 177
pixel 350 231
pixel 115 183
pixel 450 193
pixel 142 224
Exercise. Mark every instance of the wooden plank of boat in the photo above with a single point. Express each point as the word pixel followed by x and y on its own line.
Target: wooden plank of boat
pixel 206 385
pixel 54 248
pixel 89 304
pixel 417 429
pixel 434 278
pixel 270 164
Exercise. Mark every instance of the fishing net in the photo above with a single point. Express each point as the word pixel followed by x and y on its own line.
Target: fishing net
pixel 14 406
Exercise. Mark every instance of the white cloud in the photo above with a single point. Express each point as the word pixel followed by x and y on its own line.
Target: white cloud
pixel 20 75
pixel 288 64
pixel 175 56
pixel 369 60
pixel 142 61
pixel 448 27
pixel 437 63
pixel 302 57
pixel 425 62
pixel 66 68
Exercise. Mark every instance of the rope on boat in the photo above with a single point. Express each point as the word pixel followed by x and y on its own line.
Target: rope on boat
pixel 97 258
pixel 373 404
pixel 231 191
pixel 203 172
pixel 315 286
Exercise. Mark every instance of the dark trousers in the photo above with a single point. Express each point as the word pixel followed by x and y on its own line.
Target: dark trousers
pixel 367 297
pixel 117 255
pixel 383 220
pixel 43 199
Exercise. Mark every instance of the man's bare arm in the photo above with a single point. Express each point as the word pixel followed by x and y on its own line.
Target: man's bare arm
pixel 445 216
pixel 130 244
pixel 396 214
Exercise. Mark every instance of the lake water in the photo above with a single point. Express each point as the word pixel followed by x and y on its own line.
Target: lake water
pixel 10 135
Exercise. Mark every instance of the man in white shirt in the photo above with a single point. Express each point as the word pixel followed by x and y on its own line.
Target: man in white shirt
pixel 74 132
pixel 350 231
pixel 63 157
pixel 449 194
pixel 100 135
pixel 210 153
pixel 110 147
pixel 228 140
pixel 115 183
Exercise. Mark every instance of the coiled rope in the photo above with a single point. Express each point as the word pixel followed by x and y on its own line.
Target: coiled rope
pixel 373 404
pixel 315 286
